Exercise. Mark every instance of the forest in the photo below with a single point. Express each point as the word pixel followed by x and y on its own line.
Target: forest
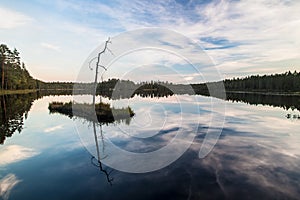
pixel 14 75
pixel 284 82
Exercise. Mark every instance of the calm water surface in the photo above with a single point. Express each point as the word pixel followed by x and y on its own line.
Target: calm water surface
pixel 47 156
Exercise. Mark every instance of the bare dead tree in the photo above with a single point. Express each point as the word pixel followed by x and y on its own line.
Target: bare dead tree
pixel 99 65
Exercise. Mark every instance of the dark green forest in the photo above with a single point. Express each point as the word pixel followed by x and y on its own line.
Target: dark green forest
pixel 14 75
pixel 116 89
pixel 285 82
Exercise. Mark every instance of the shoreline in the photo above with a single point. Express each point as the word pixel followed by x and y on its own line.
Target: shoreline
pixel 8 92
pixel 27 91
pixel 266 93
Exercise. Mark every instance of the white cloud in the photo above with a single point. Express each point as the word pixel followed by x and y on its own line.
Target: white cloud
pixel 15 153
pixel 264 31
pixel 11 19
pixel 260 31
pixel 189 78
pixel 54 128
pixel 51 46
pixel 6 185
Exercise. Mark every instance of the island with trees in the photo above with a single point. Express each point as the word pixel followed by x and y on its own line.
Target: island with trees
pixel 101 112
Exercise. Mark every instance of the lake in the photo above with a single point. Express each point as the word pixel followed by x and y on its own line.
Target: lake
pixel 47 155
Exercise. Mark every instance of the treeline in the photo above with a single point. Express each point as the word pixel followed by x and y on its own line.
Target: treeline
pixel 285 82
pixel 116 89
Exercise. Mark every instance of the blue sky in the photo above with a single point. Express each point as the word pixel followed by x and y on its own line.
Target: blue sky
pixel 241 37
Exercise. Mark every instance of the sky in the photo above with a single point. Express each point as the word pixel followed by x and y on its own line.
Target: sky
pixel 56 38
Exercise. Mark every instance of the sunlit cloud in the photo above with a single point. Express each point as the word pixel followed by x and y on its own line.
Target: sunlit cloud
pixel 15 153
pixel 7 183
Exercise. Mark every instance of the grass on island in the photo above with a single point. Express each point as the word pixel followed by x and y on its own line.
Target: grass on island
pixel 103 111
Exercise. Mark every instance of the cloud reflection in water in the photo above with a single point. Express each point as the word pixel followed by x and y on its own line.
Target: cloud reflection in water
pixel 15 153
pixel 7 183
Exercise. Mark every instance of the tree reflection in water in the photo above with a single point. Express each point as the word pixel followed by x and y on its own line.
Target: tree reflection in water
pixel 97 161
pixel 14 110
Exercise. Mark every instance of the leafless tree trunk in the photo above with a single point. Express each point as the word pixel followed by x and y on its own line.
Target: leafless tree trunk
pixel 97 68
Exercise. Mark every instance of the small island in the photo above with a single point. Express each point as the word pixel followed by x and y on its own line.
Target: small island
pixel 104 113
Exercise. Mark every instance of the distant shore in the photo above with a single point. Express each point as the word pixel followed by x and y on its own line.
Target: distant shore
pixel 8 92
pixel 266 93
pixel 3 92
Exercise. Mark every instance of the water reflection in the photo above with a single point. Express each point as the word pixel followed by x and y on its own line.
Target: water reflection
pixel 99 157
pixel 15 153
pixel 123 90
pixel 292 116
pixel 255 165
pixel 257 157
pixel 13 112
pixel 7 183
pixel 15 108
pixel 283 101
